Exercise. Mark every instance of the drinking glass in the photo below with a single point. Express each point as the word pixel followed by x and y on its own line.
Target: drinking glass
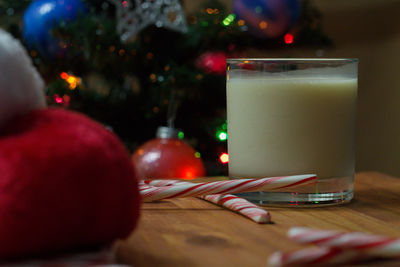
pixel 289 117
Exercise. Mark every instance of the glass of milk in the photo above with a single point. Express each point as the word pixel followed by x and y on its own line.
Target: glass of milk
pixel 289 117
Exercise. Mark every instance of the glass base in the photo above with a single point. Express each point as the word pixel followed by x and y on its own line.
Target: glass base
pixel 325 192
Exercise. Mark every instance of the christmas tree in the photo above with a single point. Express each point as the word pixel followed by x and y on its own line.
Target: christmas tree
pixel 138 65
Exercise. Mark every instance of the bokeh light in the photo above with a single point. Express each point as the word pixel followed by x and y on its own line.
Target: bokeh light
pixel 224 158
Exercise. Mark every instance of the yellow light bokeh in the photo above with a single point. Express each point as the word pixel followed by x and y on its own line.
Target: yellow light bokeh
pixel 72 80
pixel 224 158
pixel 263 25
pixel 241 22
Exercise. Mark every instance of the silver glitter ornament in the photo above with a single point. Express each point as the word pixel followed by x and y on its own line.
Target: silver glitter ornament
pixel 131 19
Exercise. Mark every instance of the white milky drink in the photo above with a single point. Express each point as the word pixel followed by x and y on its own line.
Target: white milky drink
pixel 291 126
pixel 302 121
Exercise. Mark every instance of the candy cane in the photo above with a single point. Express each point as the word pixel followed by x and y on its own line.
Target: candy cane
pixel 241 206
pixel 321 256
pixel 335 248
pixel 375 245
pixel 225 187
pixel 143 186
pixel 165 182
pixel 230 202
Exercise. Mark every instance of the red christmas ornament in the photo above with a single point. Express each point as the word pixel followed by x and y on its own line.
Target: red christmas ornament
pixel 66 183
pixel 167 157
pixel 212 62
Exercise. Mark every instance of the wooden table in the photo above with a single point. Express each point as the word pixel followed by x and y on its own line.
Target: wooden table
pixel 193 232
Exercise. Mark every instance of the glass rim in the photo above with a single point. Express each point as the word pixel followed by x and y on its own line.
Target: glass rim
pixel 292 60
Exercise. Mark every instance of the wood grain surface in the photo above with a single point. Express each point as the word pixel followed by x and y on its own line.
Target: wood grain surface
pixel 193 232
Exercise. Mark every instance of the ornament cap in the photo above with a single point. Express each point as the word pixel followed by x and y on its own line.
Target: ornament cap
pixel 167 132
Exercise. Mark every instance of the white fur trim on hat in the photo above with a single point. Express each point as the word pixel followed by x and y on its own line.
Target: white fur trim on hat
pixel 21 87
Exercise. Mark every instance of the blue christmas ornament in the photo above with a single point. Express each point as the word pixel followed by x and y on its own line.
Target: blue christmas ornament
pixel 268 18
pixel 41 17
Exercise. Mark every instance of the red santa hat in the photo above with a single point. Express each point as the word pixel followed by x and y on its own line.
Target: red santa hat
pixel 66 182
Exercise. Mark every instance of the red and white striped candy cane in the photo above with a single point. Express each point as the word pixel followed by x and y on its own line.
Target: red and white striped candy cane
pixel 225 187
pixel 165 182
pixel 320 256
pixel 143 186
pixel 231 202
pixel 241 206
pixel 375 245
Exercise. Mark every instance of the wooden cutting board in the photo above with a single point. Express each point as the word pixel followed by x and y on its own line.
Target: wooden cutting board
pixel 193 232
